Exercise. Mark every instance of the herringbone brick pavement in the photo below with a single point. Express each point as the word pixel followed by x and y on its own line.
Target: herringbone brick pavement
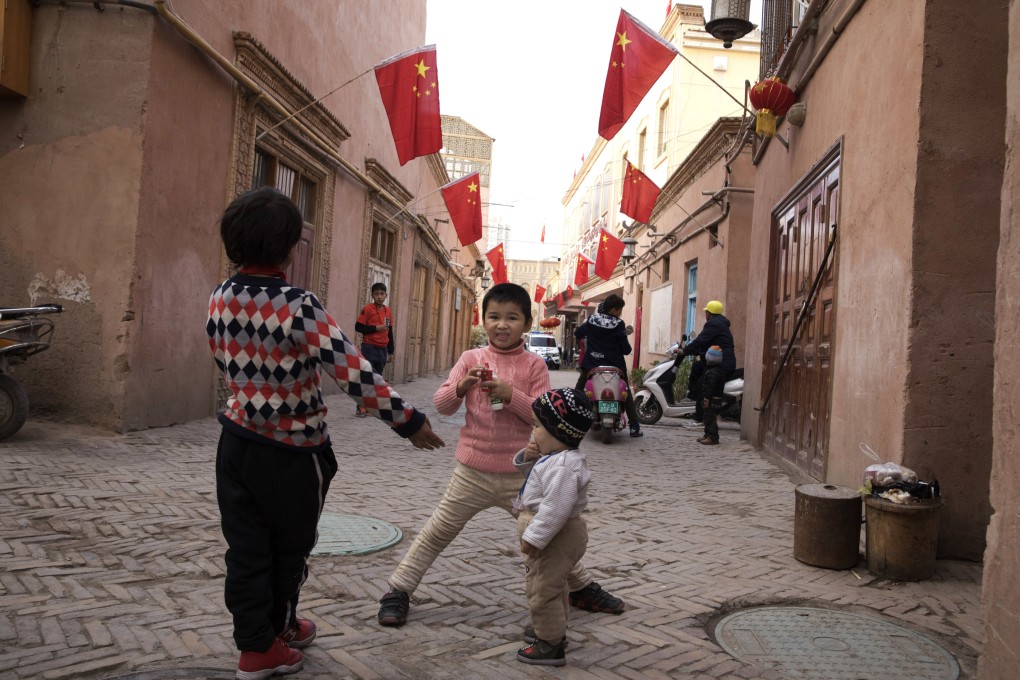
pixel 112 560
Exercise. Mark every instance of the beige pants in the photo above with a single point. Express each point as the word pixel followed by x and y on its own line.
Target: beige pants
pixel 545 582
pixel 469 492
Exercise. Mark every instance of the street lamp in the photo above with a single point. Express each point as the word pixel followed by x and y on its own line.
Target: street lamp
pixel 628 249
pixel 485 280
pixel 729 20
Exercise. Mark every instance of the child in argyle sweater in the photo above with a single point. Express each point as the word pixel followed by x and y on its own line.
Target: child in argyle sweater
pixel 274 461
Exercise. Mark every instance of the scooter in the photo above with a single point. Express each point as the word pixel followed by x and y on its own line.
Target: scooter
pixel 23 332
pixel 608 391
pixel 655 398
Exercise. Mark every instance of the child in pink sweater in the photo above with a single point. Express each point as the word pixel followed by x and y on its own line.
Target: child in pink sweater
pixel 485 476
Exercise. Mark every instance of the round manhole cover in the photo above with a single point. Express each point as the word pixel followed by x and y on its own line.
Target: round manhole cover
pixel 822 644
pixel 354 535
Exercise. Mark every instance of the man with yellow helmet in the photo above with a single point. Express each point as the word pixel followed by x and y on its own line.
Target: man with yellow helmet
pixel 715 333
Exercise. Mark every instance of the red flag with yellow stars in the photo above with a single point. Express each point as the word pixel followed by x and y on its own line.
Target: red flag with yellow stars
pixel 463 200
pixel 639 195
pixel 539 294
pixel 610 249
pixel 638 58
pixel 581 270
pixel 498 265
pixel 541 239
pixel 410 92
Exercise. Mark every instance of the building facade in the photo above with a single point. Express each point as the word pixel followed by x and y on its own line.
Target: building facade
pixel 141 124
pixel 667 126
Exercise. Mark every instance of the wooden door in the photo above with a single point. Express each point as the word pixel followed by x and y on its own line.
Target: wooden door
pixel 796 421
pixel 432 332
pixel 416 321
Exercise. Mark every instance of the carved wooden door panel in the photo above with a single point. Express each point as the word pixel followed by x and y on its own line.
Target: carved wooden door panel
pixel 796 422
pixel 416 321
pixel 432 334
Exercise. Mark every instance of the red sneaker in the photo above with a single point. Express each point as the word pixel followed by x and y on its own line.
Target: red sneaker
pixel 277 660
pixel 300 635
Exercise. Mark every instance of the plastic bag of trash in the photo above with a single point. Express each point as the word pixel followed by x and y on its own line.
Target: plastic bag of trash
pixel 897 483
pixel 884 474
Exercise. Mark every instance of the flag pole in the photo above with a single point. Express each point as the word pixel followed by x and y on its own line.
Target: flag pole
pixel 716 82
pixel 313 103
pixel 401 208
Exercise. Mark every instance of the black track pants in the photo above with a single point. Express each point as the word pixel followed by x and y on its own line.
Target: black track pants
pixel 270 500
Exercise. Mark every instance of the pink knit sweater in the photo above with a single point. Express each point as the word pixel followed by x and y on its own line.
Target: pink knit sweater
pixel 489 439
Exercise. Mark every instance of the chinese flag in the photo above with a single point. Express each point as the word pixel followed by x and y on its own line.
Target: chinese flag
pixel 610 249
pixel 410 92
pixel 498 265
pixel 542 237
pixel 638 58
pixel 463 200
pixel 581 270
pixel 539 293
pixel 639 195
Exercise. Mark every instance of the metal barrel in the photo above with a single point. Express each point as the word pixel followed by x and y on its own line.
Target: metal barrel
pixel 827 526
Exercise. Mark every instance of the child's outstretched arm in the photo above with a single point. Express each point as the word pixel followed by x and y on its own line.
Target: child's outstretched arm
pixel 319 335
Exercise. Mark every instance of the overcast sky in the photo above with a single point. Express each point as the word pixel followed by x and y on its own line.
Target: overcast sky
pixel 531 74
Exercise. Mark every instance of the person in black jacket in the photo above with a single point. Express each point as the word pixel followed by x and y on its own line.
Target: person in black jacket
pixel 606 344
pixel 712 383
pixel 715 332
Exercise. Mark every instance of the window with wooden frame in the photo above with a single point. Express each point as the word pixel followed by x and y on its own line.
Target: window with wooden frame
pixel 663 139
pixel 267 152
pixel 383 245
pixel 270 170
pixel 642 145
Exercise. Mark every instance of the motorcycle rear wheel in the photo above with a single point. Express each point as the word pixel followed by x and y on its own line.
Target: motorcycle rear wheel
pixel 13 406
pixel 607 435
pixel 648 412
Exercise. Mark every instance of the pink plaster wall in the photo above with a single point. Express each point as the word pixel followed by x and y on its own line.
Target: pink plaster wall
pixel 858 97
pixel 1001 593
pixel 868 92
pixel 70 189
pixel 128 130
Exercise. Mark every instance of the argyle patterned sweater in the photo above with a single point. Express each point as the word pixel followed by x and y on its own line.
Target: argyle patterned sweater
pixel 270 339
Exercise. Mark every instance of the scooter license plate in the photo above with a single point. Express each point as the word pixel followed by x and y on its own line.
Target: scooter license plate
pixel 609 407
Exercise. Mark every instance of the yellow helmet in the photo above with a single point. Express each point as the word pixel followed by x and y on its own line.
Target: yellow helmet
pixel 714 307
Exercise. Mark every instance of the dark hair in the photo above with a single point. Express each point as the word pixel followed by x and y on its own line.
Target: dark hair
pixel 260 227
pixel 614 301
pixel 508 292
pixel 379 285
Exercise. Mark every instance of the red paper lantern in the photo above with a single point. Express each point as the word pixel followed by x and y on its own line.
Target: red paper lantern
pixel 771 98
pixel 551 322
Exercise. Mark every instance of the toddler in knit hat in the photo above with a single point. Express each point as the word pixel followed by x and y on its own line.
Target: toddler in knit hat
pixel 552 532
pixel 713 357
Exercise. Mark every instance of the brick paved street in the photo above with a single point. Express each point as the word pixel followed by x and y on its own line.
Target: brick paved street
pixel 111 560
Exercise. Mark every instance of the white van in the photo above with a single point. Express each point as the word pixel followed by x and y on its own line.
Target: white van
pixel 544 345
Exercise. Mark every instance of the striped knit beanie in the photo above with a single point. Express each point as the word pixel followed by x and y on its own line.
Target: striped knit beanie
pixel 566 413
pixel 714 355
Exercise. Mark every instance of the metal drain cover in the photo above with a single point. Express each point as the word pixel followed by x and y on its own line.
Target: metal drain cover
pixel 354 535
pixel 821 644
